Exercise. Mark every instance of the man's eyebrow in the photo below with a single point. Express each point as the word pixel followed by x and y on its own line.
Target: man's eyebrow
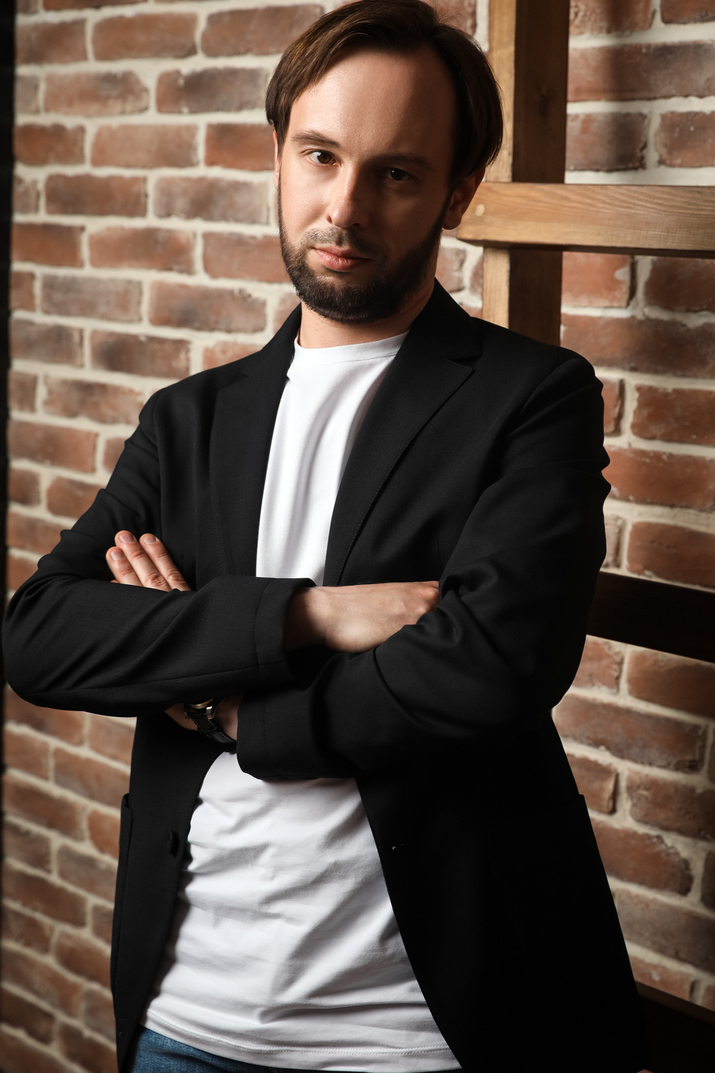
pixel 306 137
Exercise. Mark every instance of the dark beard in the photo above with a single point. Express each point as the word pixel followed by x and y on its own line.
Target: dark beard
pixel 357 303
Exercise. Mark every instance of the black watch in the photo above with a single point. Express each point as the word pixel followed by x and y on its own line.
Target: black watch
pixel 202 715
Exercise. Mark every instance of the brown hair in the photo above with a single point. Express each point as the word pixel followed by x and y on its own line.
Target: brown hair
pixel 399 26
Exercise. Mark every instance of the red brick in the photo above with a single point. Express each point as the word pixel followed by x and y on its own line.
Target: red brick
pixel 102 922
pixel 106 403
pixel 240 145
pixel 50 42
pixel 23 487
pixel 646 346
pixel 112 450
pixel 43 896
pixel 26 94
pixel 260 31
pixel 606 141
pixel 669 929
pixel 672 553
pixel 597 782
pixel 674 983
pixel 672 806
pixel 26 7
pixel 612 406
pixel 104 832
pixel 211 199
pixel 145 146
pixel 708 891
pixel 26 930
pixel 687 10
pixel 682 284
pixel 90 778
pixel 19 1056
pixel 20 1013
pixel 643 72
pixel 31 534
pixel 98 1013
pixel 677 415
pixel 215 89
pixel 605 17
pixel 70 499
pixel 42 980
pixel 112 737
pixel 47 244
pixel 642 858
pixel 597 279
pixel 140 355
pixel 71 448
pixel 26 846
pixel 30 802
pixel 19 569
pixel 600 666
pixel 96 195
pixel 657 477
pixel 234 256
pixel 95 93
pixel 686 139
pixel 450 265
pixel 26 752
pixel 286 304
pixel 137 36
pixel 83 296
pixel 22 390
pixel 22 289
pixel 45 342
pixel 39 144
pixel 67 726
pixel 25 195
pixel 223 352
pixel 684 684
pixel 63 5
pixel 89 1053
pixel 83 957
pixel 206 309
pixel 648 739
pixel 87 872
pixel 142 247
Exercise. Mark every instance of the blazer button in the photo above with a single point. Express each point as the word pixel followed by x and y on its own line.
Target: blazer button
pixel 172 843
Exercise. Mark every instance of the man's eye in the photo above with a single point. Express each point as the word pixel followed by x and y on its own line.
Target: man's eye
pixel 320 156
pixel 397 174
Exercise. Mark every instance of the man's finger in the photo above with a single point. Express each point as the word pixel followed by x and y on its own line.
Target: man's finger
pixel 150 577
pixel 163 561
pixel 121 567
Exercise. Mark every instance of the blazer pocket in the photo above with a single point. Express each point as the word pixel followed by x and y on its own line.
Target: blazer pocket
pixel 125 835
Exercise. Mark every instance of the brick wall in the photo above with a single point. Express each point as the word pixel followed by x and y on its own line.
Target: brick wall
pixel 145 249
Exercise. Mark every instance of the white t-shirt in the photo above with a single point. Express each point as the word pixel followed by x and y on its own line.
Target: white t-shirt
pixel 285 950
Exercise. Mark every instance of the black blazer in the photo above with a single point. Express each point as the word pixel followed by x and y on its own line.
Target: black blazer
pixel 478 463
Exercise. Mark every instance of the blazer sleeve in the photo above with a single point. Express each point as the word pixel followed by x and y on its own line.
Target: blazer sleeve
pixel 501 647
pixel 72 640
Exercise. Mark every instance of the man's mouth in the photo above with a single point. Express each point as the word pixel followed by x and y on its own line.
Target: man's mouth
pixel 339 258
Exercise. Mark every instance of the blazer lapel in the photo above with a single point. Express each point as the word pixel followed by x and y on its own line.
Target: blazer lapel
pixel 240 443
pixel 424 374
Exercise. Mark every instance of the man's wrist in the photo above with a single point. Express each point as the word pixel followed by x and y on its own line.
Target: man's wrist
pixel 305 623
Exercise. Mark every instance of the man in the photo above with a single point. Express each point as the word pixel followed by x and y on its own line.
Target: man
pixel 398 876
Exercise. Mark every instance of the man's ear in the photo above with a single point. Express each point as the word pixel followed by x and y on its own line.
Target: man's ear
pixel 276 160
pixel 461 198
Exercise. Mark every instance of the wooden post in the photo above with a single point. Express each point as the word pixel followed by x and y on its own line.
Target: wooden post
pixel 528 51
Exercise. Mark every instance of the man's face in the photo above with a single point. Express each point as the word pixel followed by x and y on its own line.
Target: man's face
pixel 363 184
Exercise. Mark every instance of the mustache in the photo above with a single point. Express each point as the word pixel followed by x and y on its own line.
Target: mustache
pixel 334 236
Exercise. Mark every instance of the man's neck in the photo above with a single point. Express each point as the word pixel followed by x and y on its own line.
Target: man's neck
pixel 317 331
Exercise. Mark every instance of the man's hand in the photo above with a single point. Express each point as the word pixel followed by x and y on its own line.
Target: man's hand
pixel 354 618
pixel 147 563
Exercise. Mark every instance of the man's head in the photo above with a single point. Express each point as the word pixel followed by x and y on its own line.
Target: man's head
pixel 384 119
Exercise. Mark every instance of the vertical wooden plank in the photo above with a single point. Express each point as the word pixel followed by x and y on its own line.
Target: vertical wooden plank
pixel 528 51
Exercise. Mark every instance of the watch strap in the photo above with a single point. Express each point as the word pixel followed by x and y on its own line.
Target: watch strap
pixel 202 715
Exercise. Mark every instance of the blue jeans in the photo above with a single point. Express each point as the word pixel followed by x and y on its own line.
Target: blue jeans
pixel 153 1053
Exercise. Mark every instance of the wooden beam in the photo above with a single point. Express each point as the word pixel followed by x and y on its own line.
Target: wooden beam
pixel 652 614
pixel 682 1034
pixel 676 221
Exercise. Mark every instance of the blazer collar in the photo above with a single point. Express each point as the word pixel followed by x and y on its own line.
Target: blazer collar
pixel 433 362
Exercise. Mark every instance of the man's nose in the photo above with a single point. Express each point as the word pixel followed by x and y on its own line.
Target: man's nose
pixel 348 203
